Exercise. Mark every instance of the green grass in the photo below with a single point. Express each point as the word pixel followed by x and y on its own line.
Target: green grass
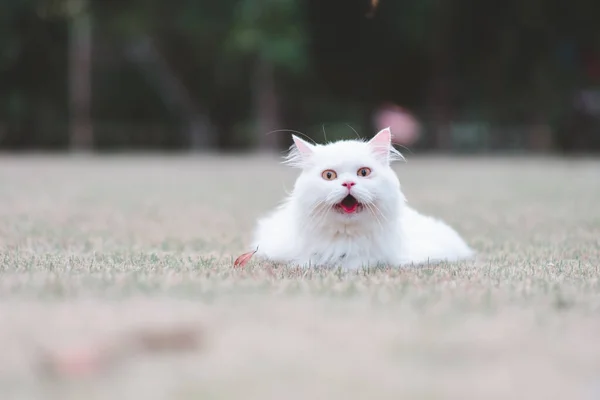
pixel 92 247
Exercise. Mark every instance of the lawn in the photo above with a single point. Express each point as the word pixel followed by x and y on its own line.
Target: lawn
pixel 94 248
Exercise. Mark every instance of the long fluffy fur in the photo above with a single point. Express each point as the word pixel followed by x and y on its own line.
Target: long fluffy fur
pixel 306 230
pixel 293 158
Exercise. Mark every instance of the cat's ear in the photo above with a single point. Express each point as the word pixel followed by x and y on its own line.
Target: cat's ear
pixel 299 153
pixel 304 148
pixel 381 144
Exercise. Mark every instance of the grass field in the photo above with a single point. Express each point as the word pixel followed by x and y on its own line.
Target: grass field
pixel 92 248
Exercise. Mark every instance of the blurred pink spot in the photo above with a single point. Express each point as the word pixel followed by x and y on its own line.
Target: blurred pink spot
pixel 404 126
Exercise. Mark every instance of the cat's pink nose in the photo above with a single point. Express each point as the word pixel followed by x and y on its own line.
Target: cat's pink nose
pixel 348 184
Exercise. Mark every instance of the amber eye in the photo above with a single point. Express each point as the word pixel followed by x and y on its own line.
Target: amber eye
pixel 364 172
pixel 329 175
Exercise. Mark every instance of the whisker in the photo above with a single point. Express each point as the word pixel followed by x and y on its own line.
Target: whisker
pixel 292 131
pixel 330 198
pixel 369 207
pixel 380 213
pixel 404 147
pixel 317 217
pixel 321 216
pixel 324 134
pixel 315 212
pixel 314 208
pixel 357 135
pixel 379 222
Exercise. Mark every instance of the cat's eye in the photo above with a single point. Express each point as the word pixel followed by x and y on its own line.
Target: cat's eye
pixel 364 172
pixel 329 175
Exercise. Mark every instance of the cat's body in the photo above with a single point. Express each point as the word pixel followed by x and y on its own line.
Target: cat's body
pixel 347 210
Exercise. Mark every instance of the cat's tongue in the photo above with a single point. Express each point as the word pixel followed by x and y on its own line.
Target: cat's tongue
pixel 349 204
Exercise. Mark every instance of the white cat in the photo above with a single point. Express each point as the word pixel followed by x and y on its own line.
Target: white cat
pixel 347 209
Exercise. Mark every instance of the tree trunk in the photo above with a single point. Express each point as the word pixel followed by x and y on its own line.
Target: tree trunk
pixel 539 133
pixel 266 107
pixel 80 78
pixel 439 97
pixel 199 132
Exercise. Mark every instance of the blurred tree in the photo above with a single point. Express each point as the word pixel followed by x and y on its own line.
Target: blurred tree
pixel 142 28
pixel 80 74
pixel 76 13
pixel 201 74
pixel 272 34
pixel 33 68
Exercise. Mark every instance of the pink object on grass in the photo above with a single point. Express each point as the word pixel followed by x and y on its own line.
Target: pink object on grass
pixel 403 125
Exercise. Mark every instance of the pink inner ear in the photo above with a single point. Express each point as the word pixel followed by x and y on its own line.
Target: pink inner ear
pixel 303 147
pixel 381 142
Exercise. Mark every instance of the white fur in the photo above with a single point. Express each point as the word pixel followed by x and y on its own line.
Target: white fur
pixel 305 230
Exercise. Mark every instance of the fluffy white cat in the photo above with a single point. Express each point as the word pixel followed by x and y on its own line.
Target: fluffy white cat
pixel 347 209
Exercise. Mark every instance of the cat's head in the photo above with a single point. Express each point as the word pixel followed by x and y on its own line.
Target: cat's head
pixel 348 179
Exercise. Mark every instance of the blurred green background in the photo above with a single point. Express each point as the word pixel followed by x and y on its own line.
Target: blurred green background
pixel 219 75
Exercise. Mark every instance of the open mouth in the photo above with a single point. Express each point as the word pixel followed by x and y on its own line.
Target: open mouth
pixel 349 205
